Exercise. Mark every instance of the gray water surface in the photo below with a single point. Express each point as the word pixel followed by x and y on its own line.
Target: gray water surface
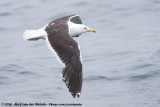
pixel 121 62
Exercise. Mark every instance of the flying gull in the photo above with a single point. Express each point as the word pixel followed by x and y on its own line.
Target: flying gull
pixel 59 37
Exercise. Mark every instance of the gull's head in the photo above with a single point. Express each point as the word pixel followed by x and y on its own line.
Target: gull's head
pixel 77 29
pixel 84 28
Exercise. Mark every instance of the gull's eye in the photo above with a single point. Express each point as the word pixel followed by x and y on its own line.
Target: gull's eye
pixel 85 28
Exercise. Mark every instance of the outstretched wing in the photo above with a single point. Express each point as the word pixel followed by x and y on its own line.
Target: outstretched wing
pixel 72 75
pixel 67 50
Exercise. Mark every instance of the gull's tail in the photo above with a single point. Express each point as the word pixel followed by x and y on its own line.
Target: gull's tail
pixel 34 34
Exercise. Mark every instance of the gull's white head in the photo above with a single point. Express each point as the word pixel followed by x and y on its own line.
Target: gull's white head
pixel 76 27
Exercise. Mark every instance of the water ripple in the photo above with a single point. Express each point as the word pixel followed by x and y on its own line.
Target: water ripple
pixel 10 68
pixel 26 73
pixel 151 74
pixel 99 78
pixel 89 59
pixel 141 66
pixel 137 78
pixel 82 3
pixel 3 80
pixel 1 83
pixel 2 28
pixel 5 14
pixel 5 4
pixel 156 1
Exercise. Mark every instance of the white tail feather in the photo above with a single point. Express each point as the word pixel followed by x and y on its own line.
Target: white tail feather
pixel 34 34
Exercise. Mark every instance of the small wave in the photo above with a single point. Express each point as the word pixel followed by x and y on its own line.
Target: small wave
pixel 142 77
pixel 59 88
pixel 3 80
pixel 141 66
pixel 156 1
pixel 2 28
pixel 139 77
pixel 5 14
pixel 2 77
pixel 5 4
pixel 101 78
pixel 89 59
pixel 10 68
pixel 25 72
pixel 1 83
pixel 82 3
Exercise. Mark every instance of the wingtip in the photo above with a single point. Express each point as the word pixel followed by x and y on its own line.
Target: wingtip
pixel 73 78
pixel 76 94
